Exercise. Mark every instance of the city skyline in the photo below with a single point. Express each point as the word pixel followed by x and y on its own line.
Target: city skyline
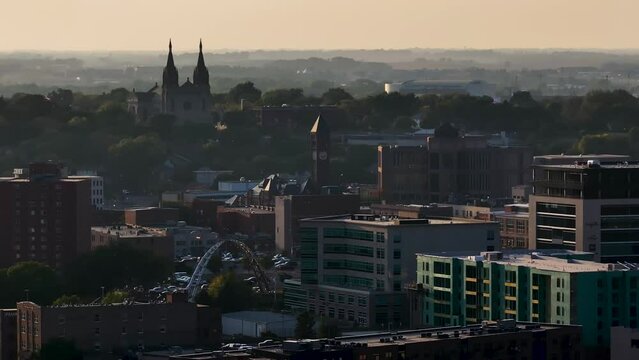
pixel 284 24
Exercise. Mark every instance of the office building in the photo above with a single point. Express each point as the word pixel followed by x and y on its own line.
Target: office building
pixel 354 268
pixel 44 216
pixel 587 206
pixel 109 331
pixel 412 211
pixel 247 220
pixel 290 209
pixel 513 226
pixel 451 168
pixel 559 288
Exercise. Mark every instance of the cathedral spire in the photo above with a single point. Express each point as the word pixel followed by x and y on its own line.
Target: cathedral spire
pixel 201 73
pixel 170 74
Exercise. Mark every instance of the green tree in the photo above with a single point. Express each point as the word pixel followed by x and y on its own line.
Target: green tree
pixel 115 297
pixel 61 97
pixel 246 91
pixel 603 144
pixel 334 96
pixel 304 329
pixel 135 160
pixel 230 293
pixel 215 264
pixel 283 96
pixel 115 267
pixel 67 300
pixel 162 124
pixel 29 279
pixel 328 328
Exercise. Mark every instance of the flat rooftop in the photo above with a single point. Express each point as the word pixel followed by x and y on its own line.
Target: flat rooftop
pixel 125 231
pixel 436 334
pixel 557 260
pixel 580 165
pixel 376 220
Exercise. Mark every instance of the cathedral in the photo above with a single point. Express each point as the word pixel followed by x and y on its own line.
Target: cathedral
pixel 189 102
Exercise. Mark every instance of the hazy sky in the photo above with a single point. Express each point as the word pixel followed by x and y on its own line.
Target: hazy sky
pixel 315 24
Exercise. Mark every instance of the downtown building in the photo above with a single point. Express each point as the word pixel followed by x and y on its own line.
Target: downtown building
pixel 458 289
pixel 44 216
pixel 110 331
pixel 451 168
pixel 590 206
pixel 354 268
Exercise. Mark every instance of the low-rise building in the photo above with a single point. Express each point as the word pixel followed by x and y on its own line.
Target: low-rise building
pixel 255 323
pixel 151 216
pixel 153 240
pixel 624 343
pixel 108 331
pixel 493 340
pixel 354 268
pixel 559 288
pixel 190 240
pixel 242 185
pixel 247 220
pixel 513 226
pixel 8 334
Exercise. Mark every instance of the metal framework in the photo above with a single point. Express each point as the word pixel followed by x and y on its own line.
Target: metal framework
pixel 194 285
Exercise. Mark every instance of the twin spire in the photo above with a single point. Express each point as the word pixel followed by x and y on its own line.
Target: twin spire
pixel 170 74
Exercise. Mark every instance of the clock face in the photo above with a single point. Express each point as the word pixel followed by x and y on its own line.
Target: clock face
pixel 323 155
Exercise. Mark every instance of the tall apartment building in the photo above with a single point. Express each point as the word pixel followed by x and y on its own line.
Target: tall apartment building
pixel 462 288
pixel 44 216
pixel 354 268
pixel 587 206
pixel 109 331
pixel 451 167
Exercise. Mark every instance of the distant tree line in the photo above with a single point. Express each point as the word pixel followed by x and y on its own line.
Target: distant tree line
pixel 97 132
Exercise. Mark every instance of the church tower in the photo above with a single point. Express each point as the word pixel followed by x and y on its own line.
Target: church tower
pixel 201 73
pixel 320 150
pixel 169 82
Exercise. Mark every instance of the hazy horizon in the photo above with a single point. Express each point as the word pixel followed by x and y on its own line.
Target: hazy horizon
pixel 289 25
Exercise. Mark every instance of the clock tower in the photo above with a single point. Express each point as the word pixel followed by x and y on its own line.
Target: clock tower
pixel 320 151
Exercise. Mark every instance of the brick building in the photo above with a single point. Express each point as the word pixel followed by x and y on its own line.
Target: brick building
pixel 289 210
pixel 451 168
pixel 44 216
pixel 107 331
pixel 151 216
